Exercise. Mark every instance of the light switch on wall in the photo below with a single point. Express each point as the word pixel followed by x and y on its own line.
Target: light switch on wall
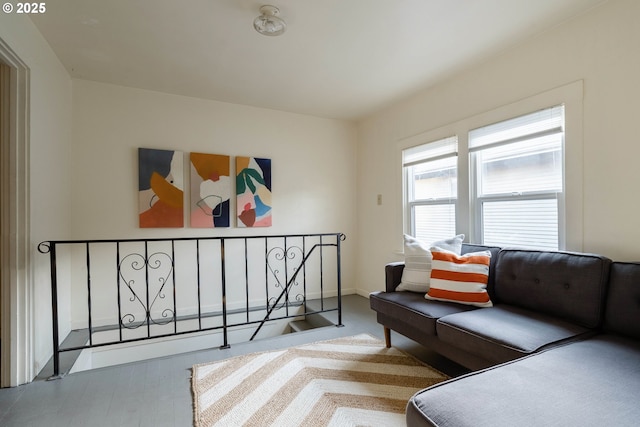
pixel 379 199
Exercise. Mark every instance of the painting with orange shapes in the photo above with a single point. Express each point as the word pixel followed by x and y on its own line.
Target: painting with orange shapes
pixel 210 190
pixel 160 188
pixel 253 192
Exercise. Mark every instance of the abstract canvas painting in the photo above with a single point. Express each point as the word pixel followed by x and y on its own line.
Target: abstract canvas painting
pixel 160 188
pixel 210 190
pixel 253 192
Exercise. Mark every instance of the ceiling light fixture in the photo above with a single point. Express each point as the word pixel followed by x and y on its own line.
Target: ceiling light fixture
pixel 269 24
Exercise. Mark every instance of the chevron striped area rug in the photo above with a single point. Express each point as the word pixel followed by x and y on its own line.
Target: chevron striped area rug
pixel 353 381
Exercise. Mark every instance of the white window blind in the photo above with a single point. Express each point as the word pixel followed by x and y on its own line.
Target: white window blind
pixel 434 222
pixel 550 120
pixel 430 172
pixel 445 147
pixel 519 179
pixel 531 223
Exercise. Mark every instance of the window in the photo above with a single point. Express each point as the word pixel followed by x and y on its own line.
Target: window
pixel 431 188
pixel 510 176
pixel 517 173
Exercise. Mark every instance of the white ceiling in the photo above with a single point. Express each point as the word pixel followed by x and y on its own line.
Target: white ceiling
pixel 338 58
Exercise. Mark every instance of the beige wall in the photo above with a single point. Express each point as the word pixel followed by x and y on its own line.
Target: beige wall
pixel 600 48
pixel 313 162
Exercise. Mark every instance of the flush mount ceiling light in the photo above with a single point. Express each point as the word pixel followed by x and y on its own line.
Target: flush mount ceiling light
pixel 269 24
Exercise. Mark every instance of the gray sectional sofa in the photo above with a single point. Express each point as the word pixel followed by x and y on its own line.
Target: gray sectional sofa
pixel 560 345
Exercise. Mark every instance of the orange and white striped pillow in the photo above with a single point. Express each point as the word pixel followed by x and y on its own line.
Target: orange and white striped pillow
pixel 460 278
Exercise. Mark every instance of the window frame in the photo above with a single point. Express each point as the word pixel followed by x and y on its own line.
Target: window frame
pixel 477 201
pixel 408 181
pixel 571 95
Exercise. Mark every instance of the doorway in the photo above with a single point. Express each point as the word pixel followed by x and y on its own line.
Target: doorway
pixel 16 355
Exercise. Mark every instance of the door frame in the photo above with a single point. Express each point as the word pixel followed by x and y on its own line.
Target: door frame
pixel 17 361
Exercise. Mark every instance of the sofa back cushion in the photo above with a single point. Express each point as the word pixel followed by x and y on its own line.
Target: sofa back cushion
pixel 571 286
pixel 623 300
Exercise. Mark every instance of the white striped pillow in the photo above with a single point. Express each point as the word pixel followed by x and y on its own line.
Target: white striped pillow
pixel 417 264
pixel 460 278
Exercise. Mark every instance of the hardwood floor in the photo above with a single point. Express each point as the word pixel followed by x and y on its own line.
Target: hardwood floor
pixel 157 392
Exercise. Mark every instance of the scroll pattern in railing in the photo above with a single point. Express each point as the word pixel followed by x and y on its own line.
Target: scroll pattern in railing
pixel 118 291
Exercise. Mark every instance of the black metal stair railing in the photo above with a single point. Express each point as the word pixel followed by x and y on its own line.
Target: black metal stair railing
pixel 121 291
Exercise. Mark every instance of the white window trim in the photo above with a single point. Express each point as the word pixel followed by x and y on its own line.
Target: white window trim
pixel 414 141
pixel 478 200
pixel 409 218
pixel 571 95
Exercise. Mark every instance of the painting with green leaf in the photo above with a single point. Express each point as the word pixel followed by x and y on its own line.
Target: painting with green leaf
pixel 253 191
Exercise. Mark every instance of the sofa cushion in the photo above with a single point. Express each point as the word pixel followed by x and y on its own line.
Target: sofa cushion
pixel 567 285
pixel 413 309
pixel 589 383
pixel 504 332
pixel 460 278
pixel 417 269
pixel 622 314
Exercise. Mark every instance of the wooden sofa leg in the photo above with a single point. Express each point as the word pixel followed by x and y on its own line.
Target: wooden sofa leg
pixel 387 337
